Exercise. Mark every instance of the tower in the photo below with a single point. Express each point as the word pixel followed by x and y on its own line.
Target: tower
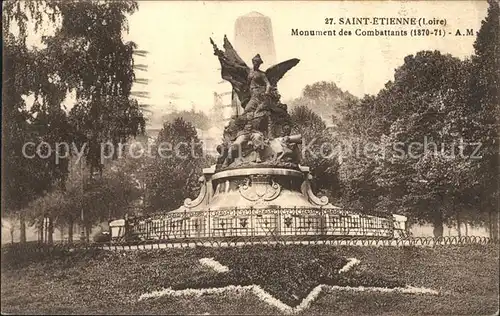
pixel 253 34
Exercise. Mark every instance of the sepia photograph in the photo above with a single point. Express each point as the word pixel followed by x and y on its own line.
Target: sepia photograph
pixel 250 157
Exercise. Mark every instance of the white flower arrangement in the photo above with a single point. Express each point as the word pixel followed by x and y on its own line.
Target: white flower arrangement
pixel 271 300
pixel 403 290
pixel 351 262
pixel 238 289
pixel 214 264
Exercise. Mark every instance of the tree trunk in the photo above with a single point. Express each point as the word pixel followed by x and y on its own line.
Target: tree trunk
pixel 12 235
pixel 46 229
pixel 459 223
pixel 88 230
pixel 50 230
pixel 70 231
pixel 42 231
pixel 22 229
pixel 437 222
pixel 466 229
pixel 493 215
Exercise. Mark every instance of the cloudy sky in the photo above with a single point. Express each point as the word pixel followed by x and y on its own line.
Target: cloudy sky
pixel 183 70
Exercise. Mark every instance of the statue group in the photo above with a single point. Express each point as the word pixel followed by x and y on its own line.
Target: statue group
pixel 261 135
pixel 257 189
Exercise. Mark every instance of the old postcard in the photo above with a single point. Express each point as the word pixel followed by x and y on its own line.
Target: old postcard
pixel 250 157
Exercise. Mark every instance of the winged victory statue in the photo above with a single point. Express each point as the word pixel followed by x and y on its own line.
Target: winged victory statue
pixel 261 134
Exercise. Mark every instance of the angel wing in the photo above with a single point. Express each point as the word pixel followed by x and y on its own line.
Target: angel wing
pixel 276 72
pixel 232 54
pixel 234 70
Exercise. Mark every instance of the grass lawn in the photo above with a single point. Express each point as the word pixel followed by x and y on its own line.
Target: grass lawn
pixel 104 282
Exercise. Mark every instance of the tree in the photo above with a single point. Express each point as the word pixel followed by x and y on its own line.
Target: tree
pixel 324 98
pixel 103 75
pixel 484 112
pixel 86 201
pixel 108 197
pixel 419 131
pixel 426 103
pixel 198 119
pixel 86 55
pixel 138 169
pixel 176 169
pixel 358 129
pixel 28 177
pixel 423 173
pixel 321 104
pixel 317 149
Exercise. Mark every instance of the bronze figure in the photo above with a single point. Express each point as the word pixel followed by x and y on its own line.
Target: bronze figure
pixel 247 138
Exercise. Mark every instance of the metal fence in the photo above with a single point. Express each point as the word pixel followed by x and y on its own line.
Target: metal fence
pixel 255 223
pixel 19 250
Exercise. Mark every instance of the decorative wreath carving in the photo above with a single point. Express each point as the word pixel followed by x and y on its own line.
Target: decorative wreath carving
pixel 259 188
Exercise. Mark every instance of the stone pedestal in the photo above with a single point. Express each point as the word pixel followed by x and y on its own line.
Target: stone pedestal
pixel 256 188
pixel 248 204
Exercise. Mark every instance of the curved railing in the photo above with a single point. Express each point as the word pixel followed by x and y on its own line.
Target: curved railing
pixel 316 240
pixel 260 222
pixel 20 249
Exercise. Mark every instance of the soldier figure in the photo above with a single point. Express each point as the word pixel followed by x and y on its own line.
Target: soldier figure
pixel 260 87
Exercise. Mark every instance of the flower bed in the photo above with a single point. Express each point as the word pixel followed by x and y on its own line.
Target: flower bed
pixel 289 276
pixel 111 282
pixel 273 293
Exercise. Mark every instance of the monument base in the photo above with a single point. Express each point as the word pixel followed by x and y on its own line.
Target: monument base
pixel 258 188
pixel 260 203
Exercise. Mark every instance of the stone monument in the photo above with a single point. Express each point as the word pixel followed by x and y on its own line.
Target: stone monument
pixel 258 164
pixel 258 188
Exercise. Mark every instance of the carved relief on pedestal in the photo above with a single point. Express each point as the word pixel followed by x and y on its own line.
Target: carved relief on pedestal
pixel 307 191
pixel 201 197
pixel 259 188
